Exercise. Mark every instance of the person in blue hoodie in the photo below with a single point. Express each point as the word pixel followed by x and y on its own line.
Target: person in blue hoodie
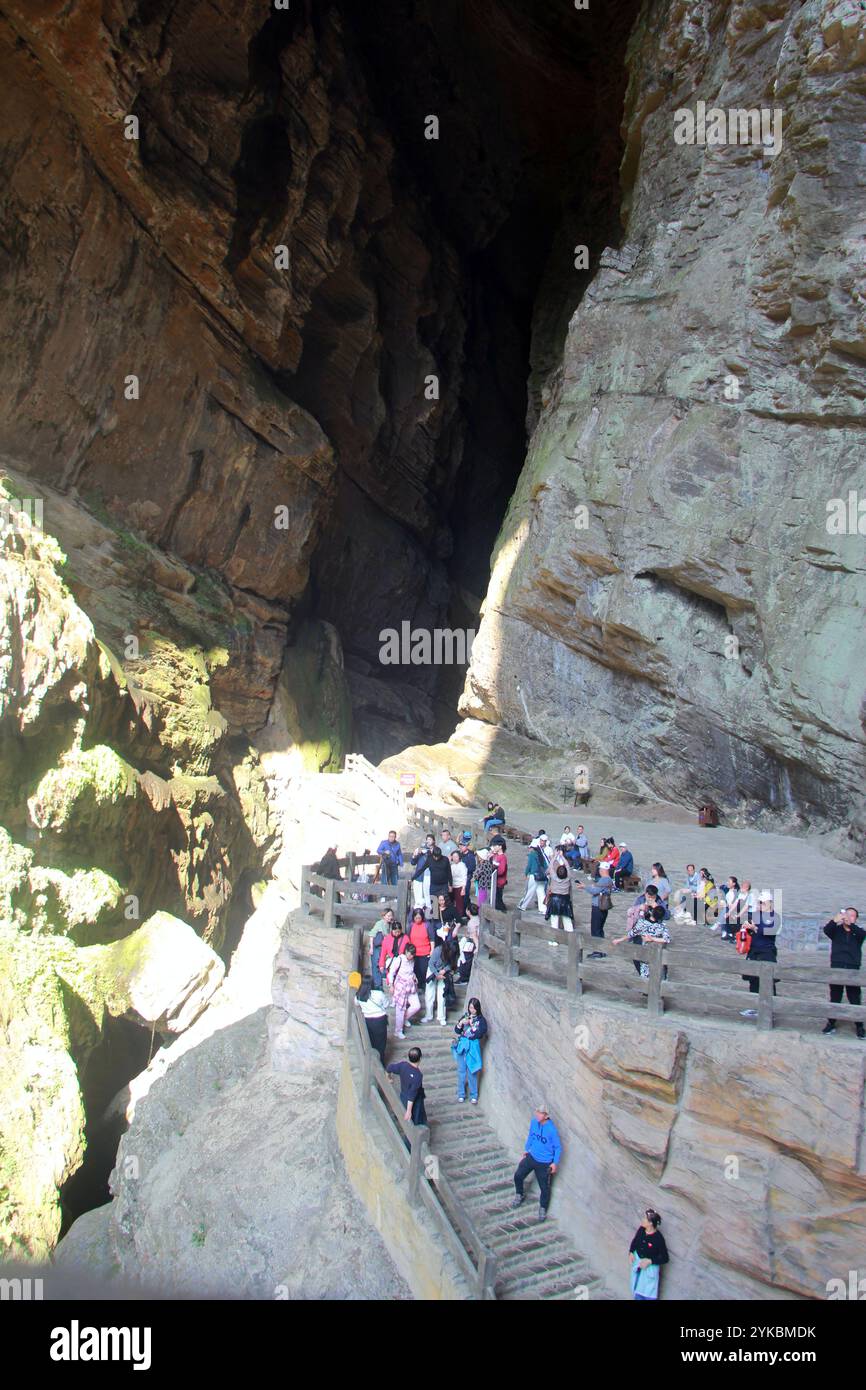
pixel 392 857
pixel 541 1157
pixel 466 1048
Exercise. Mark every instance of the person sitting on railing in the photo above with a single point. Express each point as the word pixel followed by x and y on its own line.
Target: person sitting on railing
pixel 381 929
pixel 374 1006
pixel 411 1086
pixel 846 953
pixel 393 944
pixel 469 1031
pixel 495 816
pixel 403 984
pixel 648 925
pixel 391 858
pixel 764 929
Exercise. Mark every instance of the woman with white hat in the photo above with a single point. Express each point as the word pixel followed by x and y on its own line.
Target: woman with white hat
pixel 764 929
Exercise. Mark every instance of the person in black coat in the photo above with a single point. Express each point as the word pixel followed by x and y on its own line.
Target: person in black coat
pixel 647 1252
pixel 846 953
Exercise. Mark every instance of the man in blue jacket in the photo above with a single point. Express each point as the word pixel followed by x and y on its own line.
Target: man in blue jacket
pixel 392 857
pixel 541 1157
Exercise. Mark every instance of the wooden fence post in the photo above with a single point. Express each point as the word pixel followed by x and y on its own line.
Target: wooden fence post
pixel 420 1138
pixel 402 900
pixel 330 895
pixel 512 943
pixel 572 977
pixel 350 864
pixel 765 996
pixel 654 993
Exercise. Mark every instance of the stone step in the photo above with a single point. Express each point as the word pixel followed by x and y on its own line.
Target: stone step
pixel 515 1266
pixel 535 1291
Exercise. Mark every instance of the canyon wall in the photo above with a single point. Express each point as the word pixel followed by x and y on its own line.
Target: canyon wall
pixel 666 599
pixel 754 1157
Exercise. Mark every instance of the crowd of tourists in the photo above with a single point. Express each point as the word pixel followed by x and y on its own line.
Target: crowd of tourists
pixel 415 965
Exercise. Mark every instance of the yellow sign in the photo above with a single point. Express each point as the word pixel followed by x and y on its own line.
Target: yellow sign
pixel 354 979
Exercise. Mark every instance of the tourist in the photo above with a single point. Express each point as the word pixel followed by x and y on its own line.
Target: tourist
pixel 625 867
pixel 465 960
pixel 560 911
pixel 646 1255
pixel 434 990
pixel 846 953
pixel 567 837
pixel 600 890
pixel 500 859
pixel 468 855
pixel 659 879
pixel 450 946
pixel 648 925
pixel 495 816
pixel 459 879
pixel 393 945
pixel 469 1030
pixel 485 873
pixel 391 858
pixel 384 927
pixel 411 1086
pixel 422 936
pixel 403 983
pixel 581 843
pixel 536 877
pixel 693 880
pixel 374 1007
pixel 763 931
pixel 327 866
pixel 740 911
pixel 421 875
pixel 708 897
pixel 440 877
pixel 449 844
pixel 750 899
pixel 730 900
pixel 541 1157
pixel 545 847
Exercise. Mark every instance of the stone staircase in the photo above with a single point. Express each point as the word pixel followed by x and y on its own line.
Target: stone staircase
pixel 534 1260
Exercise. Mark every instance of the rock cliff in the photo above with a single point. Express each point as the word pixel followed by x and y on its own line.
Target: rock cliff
pixel 667 598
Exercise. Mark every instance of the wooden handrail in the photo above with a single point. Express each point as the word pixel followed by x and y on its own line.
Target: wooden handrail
pixel 502 934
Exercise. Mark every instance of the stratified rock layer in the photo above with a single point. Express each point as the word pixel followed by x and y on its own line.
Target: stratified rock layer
pixel 666 596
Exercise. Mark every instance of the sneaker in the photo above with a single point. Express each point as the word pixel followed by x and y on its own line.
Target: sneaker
pixel 461 1099
pixel 861 1031
pixel 399 1035
pixel 517 1201
pixel 748 1013
pixel 443 1023
pixel 830 1027
pixel 542 1213
pixel 474 1101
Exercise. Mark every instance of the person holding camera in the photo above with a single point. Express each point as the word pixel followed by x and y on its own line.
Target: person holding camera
pixel 846 953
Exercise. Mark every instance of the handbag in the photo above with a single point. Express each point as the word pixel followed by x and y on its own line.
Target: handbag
pixel 743 941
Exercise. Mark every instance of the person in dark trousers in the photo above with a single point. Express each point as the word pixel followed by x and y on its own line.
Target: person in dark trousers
pixel 600 889
pixel 764 928
pixel 624 868
pixel 541 1157
pixel 846 953
pixel 440 877
pixel 411 1086
pixel 500 859
pixel 374 1006
pixel 384 927
pixel 392 858
pixel 646 1255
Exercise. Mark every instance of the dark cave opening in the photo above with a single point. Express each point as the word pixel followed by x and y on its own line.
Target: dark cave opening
pixel 469 275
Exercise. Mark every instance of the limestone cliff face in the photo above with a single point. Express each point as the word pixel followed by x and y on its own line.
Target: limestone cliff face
pixel 693 630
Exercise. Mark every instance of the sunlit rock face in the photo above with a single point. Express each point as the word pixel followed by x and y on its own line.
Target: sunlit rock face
pixel 671 590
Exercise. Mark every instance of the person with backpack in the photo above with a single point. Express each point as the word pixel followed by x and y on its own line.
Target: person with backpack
pixel 411 1086
pixel 846 953
pixel 536 877
pixel 541 1157
pixel 646 1255
pixel 469 1031
pixel 762 934
pixel 403 984
pixel 374 1007
pixel 394 944
pixel 381 929
pixel 391 858
pixel 600 890
pixel 560 911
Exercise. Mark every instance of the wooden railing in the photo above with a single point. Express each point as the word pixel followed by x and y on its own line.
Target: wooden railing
pixel 358 765
pixel 349 900
pixel 507 934
pixel 434 824
pixel 411 1148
